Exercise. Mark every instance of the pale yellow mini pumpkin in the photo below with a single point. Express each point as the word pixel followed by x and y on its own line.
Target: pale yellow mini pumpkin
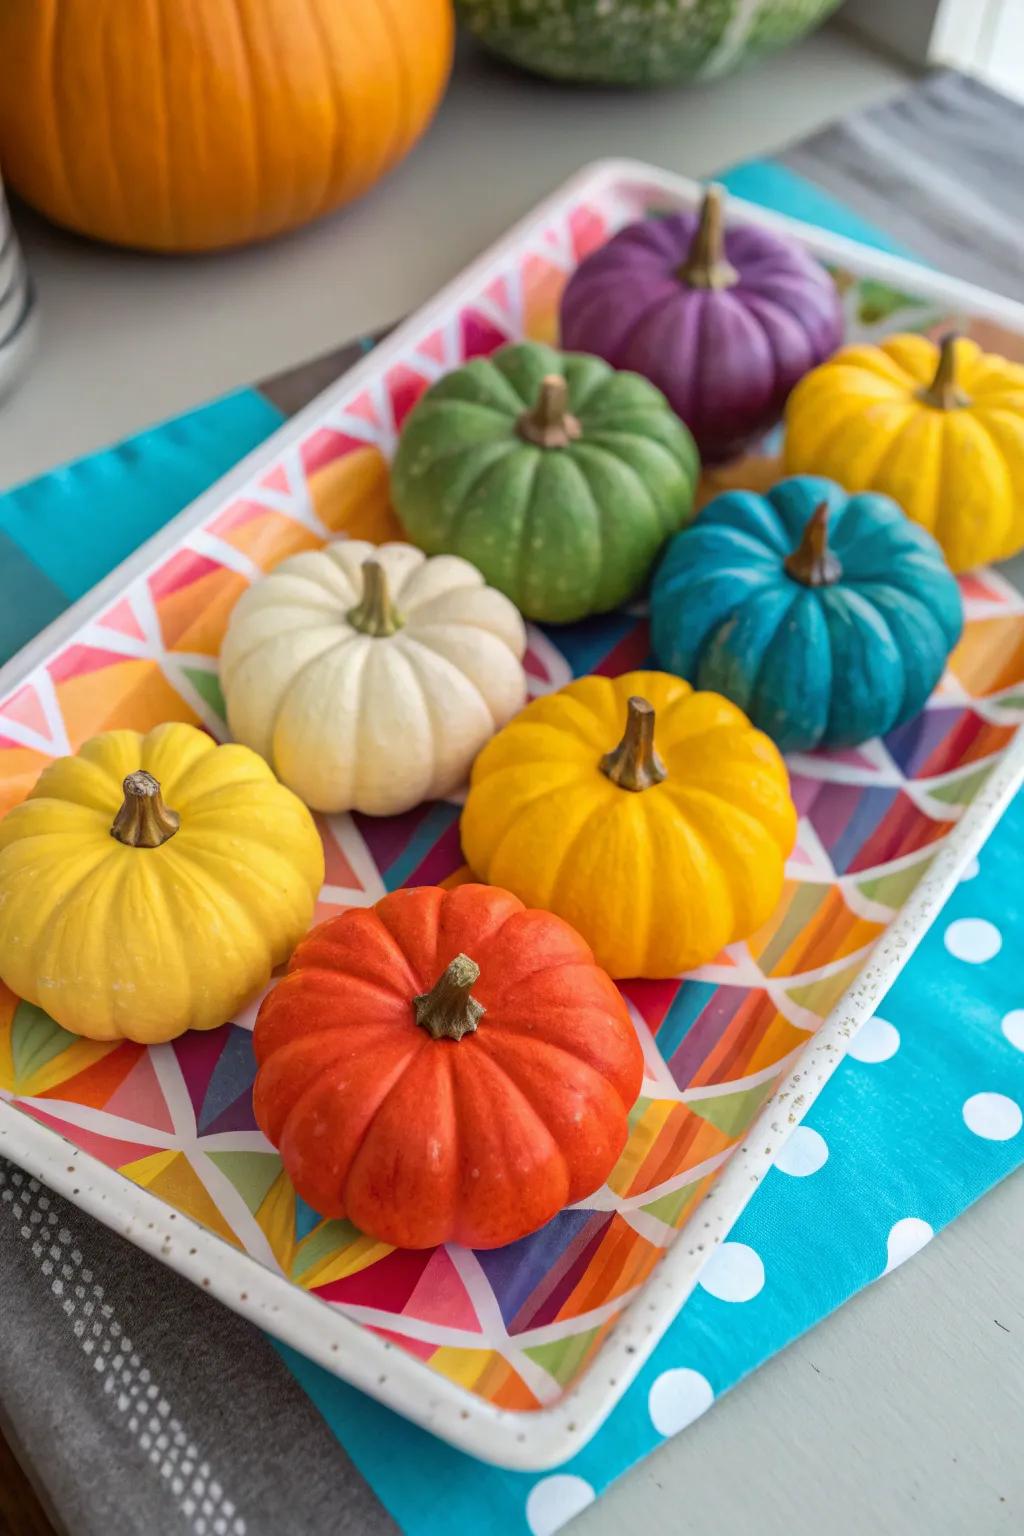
pixel 151 884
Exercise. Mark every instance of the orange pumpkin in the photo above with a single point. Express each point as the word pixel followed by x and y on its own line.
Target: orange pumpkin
pixel 187 125
pixel 446 1066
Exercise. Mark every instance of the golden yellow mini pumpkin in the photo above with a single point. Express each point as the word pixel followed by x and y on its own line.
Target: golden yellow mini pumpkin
pixel 150 884
pixel 939 429
pixel 654 819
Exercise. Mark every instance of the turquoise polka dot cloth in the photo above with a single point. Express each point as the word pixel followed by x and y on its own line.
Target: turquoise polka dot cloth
pixel 922 1117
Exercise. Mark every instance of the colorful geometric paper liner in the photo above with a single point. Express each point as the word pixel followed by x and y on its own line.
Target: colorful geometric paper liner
pixel 518 1325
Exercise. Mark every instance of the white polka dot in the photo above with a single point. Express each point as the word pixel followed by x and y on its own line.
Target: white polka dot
pixel 733 1273
pixel 805 1152
pixel 875 1041
pixel 906 1238
pixel 973 939
pixel 677 1398
pixel 1013 1027
pixel 554 1500
pixel 970 870
pixel 993 1116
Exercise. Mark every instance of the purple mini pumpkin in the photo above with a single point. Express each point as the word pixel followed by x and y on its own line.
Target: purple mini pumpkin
pixel 724 322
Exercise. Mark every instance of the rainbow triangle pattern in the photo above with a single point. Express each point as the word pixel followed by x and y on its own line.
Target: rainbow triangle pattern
pixel 518 1325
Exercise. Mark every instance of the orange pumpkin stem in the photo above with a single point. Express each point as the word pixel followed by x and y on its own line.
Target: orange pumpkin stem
pixel 374 614
pixel 944 393
pixel 812 562
pixel 634 763
pixel 143 820
pixel 706 264
pixel 549 424
pixel 449 1010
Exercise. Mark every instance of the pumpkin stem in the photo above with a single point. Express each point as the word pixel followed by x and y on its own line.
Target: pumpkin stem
pixel 549 423
pixel 812 562
pixel 634 763
pixel 706 264
pixel 449 1010
pixel 374 613
pixel 143 820
pixel 944 393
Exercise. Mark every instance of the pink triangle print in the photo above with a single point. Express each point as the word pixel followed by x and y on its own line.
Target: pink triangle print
pixel 433 347
pixel 109 1149
pixel 440 1296
pixel 480 336
pixel 277 480
pixel 139 1097
pixel 498 295
pixel 338 870
pixel 25 708
pixel 363 408
pixel 121 618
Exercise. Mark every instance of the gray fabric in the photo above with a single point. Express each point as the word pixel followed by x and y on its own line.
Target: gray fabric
pixel 144 1405
pixel 158 1385
pixel 939 169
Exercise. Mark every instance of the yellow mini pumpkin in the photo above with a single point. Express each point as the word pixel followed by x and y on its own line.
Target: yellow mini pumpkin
pixel 660 849
pixel 939 429
pixel 151 884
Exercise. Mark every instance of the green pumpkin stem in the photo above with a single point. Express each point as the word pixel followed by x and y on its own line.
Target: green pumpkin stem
pixel 449 1010
pixel 374 614
pixel 634 764
pixel 944 393
pixel 549 424
pixel 812 562
pixel 706 264
pixel 143 820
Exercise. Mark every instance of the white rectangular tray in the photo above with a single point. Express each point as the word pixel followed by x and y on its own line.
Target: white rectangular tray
pixel 610 192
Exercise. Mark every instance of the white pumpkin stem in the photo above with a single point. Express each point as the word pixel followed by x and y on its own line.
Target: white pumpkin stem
pixel 549 424
pixel 944 393
pixel 706 264
pixel 143 820
pixel 449 1010
pixel 374 614
pixel 812 562
pixel 634 763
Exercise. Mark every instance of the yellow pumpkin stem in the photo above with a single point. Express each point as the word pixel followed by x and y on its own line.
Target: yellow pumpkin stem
pixel 944 393
pixel 812 562
pixel 449 1010
pixel 550 424
pixel 143 820
pixel 634 764
pixel 374 614
pixel 706 264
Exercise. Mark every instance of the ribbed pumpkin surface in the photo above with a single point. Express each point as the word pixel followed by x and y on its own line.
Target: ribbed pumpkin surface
pixel 181 125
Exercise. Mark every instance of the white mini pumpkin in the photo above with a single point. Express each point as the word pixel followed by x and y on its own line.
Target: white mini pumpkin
pixel 370 676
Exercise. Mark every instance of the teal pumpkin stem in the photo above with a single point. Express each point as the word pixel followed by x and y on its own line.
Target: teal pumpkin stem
pixel 374 614
pixel 449 1010
pixel 634 764
pixel 549 423
pixel 944 392
pixel 812 562
pixel 706 264
pixel 143 820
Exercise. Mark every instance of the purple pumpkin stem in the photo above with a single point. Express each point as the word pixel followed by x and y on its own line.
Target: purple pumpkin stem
pixel 549 423
pixel 944 393
pixel 812 562
pixel 706 265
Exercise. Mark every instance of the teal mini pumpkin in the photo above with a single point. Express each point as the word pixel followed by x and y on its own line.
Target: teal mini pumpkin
pixel 556 476
pixel 826 617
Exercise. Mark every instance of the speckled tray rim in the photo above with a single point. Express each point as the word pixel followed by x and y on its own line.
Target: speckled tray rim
pixel 541 1439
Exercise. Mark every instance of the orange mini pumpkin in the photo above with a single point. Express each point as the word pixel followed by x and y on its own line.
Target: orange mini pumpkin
pixel 186 125
pixel 447 1066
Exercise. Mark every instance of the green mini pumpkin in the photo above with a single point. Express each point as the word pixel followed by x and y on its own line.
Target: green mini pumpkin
pixel 555 475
